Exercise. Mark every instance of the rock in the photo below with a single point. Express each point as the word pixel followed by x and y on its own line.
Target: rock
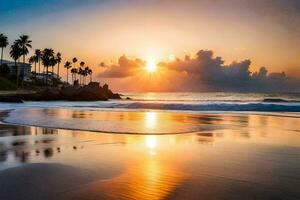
pixel 94 85
pixel 274 100
pixel 109 93
pixel 115 96
pixel 50 94
pixel 11 99
pixel 91 92
pixel 69 91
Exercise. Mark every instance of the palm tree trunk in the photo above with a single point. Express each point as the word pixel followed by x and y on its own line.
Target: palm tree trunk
pixel 17 73
pixel 23 56
pixel 35 70
pixel 46 75
pixel 52 75
pixel 58 70
pixel 67 75
pixel 1 55
pixel 39 66
pixel 90 77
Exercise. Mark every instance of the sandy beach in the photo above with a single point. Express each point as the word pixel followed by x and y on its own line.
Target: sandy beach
pixel 213 156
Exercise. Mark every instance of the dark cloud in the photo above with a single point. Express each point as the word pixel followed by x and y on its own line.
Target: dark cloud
pixel 210 71
pixel 205 72
pixel 124 68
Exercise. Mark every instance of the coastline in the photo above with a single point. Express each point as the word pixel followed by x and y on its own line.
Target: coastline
pixel 47 118
pixel 58 163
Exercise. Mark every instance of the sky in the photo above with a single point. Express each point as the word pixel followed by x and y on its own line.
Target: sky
pixel 163 32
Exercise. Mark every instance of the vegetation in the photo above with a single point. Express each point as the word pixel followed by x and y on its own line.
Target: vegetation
pixel 3 44
pixel 6 84
pixel 68 66
pixel 24 43
pixel 48 60
pixel 58 60
pixel 41 58
pixel 15 54
pixel 38 56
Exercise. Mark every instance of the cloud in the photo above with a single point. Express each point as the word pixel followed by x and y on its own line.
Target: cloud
pixel 205 72
pixel 124 68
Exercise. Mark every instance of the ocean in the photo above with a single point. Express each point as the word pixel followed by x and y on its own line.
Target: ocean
pixel 182 102
pixel 153 146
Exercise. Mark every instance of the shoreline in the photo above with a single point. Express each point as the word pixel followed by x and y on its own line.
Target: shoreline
pixel 4 114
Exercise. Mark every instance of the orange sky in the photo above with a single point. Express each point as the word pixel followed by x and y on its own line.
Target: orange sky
pixel 102 31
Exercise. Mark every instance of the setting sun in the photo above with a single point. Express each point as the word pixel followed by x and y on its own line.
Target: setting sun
pixel 151 66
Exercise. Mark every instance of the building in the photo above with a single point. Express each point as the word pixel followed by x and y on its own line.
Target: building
pixel 24 69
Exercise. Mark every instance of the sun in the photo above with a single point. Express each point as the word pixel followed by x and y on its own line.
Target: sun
pixel 151 66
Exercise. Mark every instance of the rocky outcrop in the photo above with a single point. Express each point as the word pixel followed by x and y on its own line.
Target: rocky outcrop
pixel 91 92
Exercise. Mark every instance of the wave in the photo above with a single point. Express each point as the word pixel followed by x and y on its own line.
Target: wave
pixel 270 100
pixel 260 107
pixel 216 107
pixel 276 106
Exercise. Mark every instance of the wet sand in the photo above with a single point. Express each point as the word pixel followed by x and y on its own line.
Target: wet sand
pixel 230 156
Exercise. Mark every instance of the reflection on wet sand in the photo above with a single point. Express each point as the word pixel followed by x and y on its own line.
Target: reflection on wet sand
pixel 255 154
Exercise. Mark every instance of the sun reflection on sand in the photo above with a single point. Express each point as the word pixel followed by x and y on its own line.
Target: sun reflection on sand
pixel 151 143
pixel 151 120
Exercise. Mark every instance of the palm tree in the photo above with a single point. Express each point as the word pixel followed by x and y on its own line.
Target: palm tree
pixel 15 53
pixel 53 62
pixel 82 64
pixel 74 61
pixel 74 71
pixel 68 66
pixel 48 60
pixel 38 55
pixel 58 60
pixel 24 44
pixel 3 44
pixel 81 71
pixel 90 73
pixel 85 73
pixel 33 59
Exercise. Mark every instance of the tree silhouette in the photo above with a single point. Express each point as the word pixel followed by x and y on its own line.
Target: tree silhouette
pixel 85 73
pixel 3 44
pixel 38 55
pixel 74 71
pixel 33 59
pixel 74 61
pixel 90 73
pixel 80 73
pixel 48 60
pixel 24 43
pixel 15 54
pixel 82 64
pixel 68 66
pixel 58 60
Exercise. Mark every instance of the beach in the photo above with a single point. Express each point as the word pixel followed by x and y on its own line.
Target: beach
pixel 76 153
pixel 149 100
